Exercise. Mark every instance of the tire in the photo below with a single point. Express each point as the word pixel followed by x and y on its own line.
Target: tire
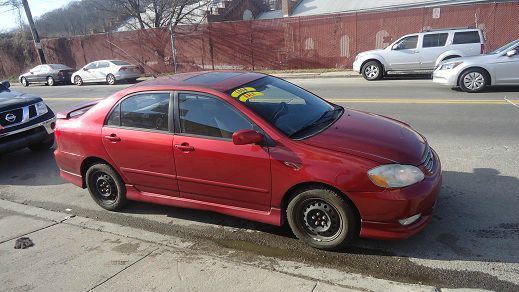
pixel 106 187
pixel 44 145
pixel 372 70
pixel 322 218
pixel 474 80
pixel 78 80
pixel 50 81
pixel 24 81
pixel 110 79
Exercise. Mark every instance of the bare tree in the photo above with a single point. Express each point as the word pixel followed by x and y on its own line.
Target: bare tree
pixel 158 13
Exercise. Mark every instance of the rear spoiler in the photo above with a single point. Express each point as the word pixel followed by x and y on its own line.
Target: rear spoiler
pixel 76 110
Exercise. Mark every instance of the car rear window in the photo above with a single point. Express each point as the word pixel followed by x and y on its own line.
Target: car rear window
pixel 59 67
pixel 120 63
pixel 466 37
pixel 435 40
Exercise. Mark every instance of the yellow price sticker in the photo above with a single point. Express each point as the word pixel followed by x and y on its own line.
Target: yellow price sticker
pixel 246 96
pixel 241 91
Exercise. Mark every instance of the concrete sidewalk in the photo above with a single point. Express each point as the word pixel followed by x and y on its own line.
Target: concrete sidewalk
pixel 81 254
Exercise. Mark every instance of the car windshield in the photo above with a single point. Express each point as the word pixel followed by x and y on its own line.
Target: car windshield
pixel 505 48
pixel 295 112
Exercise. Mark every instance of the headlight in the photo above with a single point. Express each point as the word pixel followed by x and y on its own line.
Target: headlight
pixel 449 66
pixel 41 108
pixel 395 175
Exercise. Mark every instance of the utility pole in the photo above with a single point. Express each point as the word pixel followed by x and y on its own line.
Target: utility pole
pixel 173 49
pixel 34 32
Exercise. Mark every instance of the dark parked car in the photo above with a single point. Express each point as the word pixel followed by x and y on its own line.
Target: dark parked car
pixel 25 121
pixel 50 74
pixel 253 146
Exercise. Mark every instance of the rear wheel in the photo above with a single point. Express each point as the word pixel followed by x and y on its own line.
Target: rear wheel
pixel 372 70
pixel 44 145
pixel 106 187
pixel 50 81
pixel 110 79
pixel 24 81
pixel 322 218
pixel 474 80
pixel 78 80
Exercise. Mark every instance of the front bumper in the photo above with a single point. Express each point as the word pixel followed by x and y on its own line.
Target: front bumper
pixel 380 211
pixel 39 132
pixel 357 66
pixel 446 77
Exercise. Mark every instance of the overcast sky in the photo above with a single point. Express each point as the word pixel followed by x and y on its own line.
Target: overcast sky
pixel 38 7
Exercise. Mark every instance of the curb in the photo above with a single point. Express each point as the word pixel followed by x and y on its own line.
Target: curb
pixel 295 269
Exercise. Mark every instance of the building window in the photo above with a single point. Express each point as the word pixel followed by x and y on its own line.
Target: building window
pixel 247 15
pixel 380 39
pixel 309 44
pixel 345 46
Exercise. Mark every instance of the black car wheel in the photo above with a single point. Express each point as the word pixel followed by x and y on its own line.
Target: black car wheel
pixel 24 81
pixel 474 80
pixel 110 79
pixel 372 70
pixel 322 218
pixel 78 80
pixel 106 187
pixel 43 145
pixel 50 81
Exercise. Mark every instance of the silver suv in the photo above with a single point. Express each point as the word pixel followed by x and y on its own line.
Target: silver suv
pixel 420 52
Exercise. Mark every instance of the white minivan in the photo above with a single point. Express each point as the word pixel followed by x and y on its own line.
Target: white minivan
pixel 420 52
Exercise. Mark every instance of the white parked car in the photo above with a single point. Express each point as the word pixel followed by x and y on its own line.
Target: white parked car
pixel 473 74
pixel 109 71
pixel 420 52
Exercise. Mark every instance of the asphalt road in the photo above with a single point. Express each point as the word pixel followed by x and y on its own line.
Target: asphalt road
pixel 472 241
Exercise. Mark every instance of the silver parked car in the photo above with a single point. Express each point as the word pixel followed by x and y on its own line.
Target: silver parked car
pixel 50 74
pixel 473 74
pixel 420 52
pixel 109 71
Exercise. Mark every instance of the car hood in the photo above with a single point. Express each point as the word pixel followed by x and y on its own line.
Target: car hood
pixel 12 99
pixel 377 51
pixel 480 59
pixel 372 136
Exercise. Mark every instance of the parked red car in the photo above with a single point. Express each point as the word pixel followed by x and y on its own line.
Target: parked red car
pixel 256 147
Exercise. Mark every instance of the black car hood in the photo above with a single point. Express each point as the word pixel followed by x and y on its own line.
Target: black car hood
pixel 12 99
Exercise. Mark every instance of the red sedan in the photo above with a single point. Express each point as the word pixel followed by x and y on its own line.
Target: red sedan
pixel 256 147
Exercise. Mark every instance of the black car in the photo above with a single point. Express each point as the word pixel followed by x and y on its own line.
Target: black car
pixel 50 74
pixel 25 121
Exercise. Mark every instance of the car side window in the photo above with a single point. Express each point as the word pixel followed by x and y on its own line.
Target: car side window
pixel 148 111
pixel 208 116
pixel 435 40
pixel 91 66
pixel 466 37
pixel 103 65
pixel 407 43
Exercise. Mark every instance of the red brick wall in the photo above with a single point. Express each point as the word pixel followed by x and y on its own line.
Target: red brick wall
pixel 289 43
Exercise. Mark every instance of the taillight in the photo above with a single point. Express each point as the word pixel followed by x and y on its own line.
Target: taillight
pixel 123 69
pixel 482 49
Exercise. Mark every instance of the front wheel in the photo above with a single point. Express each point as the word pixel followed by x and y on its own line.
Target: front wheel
pixel 78 80
pixel 106 187
pixel 474 80
pixel 372 70
pixel 24 82
pixel 322 218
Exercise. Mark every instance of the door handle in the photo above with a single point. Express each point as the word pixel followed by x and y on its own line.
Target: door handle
pixel 112 138
pixel 184 147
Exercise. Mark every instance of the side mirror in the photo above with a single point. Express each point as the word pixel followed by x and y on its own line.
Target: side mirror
pixel 31 72
pixel 6 84
pixel 246 137
pixel 85 69
pixel 395 47
pixel 511 53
